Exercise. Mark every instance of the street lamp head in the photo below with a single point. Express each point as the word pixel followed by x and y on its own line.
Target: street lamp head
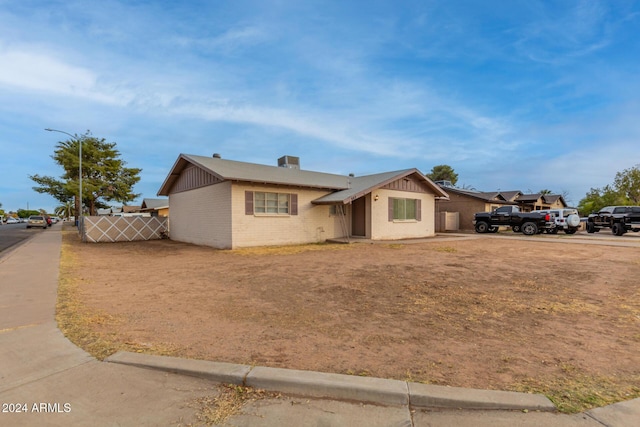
pixel 61 131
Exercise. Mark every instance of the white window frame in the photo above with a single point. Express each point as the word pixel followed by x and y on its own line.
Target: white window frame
pixel 270 203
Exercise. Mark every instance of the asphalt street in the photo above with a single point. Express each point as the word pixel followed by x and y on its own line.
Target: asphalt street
pixel 14 234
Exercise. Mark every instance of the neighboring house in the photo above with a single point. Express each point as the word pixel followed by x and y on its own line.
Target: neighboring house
pixel 536 202
pixel 230 204
pixel 129 209
pixel 119 211
pixel 156 207
pixel 466 203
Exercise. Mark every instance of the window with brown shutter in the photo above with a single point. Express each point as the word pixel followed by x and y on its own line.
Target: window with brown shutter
pixel 248 202
pixel 264 203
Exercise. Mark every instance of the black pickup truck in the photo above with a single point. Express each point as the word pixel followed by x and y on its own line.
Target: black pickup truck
pixel 619 219
pixel 528 223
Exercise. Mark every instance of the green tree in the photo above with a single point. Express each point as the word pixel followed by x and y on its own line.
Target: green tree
pixel 443 173
pixel 65 210
pixel 104 175
pixel 597 199
pixel 23 213
pixel 627 183
pixel 624 191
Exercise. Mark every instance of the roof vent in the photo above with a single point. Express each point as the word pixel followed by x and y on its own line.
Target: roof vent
pixel 290 162
pixel 217 156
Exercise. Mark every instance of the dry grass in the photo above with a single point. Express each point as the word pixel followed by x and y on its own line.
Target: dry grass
pixel 216 410
pixel 440 289
pixel 576 392
pixel 79 323
pixel 74 319
pixel 291 249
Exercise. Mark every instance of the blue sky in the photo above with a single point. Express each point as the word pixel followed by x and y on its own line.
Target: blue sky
pixel 524 95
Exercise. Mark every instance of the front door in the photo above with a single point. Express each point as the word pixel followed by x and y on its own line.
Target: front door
pixel 358 215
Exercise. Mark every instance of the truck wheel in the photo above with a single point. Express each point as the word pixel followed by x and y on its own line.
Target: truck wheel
pixel 494 229
pixel 590 227
pixel 482 227
pixel 618 229
pixel 529 229
pixel 516 228
pixel 570 230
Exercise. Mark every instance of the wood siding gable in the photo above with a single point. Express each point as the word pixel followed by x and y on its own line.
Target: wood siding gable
pixel 193 177
pixel 410 184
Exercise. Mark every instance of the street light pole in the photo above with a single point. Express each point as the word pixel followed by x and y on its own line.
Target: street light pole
pixel 79 173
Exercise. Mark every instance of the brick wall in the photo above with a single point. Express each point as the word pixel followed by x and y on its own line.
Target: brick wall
pixel 202 216
pixel 312 224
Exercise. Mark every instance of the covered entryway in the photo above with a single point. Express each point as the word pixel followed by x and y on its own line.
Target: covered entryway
pixel 358 217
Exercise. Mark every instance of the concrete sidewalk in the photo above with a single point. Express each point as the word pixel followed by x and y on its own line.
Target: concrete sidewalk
pixel 53 382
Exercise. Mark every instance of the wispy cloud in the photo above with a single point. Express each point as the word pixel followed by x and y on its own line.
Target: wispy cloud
pixel 556 35
pixel 500 90
pixel 228 41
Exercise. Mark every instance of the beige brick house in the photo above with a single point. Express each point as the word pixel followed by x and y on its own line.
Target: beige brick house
pixel 229 204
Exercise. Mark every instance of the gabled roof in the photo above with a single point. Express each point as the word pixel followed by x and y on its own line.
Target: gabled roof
pixel 553 198
pixel 361 185
pixel 347 188
pixel 528 197
pixel 154 203
pixel 511 195
pixel 508 197
pixel 489 197
pixel 231 170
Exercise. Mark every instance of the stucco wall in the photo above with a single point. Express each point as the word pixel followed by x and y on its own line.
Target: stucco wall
pixel 202 216
pixel 383 229
pixel 312 224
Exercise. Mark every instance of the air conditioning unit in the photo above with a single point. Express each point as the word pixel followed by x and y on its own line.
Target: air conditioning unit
pixel 290 162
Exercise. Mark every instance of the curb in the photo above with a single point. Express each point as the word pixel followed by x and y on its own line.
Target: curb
pixel 339 387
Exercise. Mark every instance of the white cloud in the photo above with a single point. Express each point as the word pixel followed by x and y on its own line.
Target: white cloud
pixel 41 72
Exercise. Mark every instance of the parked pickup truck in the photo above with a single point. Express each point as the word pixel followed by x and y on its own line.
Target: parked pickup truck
pixel 619 219
pixel 528 223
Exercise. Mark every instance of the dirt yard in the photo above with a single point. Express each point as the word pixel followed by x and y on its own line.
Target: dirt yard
pixel 563 319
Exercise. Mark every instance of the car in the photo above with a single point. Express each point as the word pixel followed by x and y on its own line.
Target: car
pixel 567 220
pixel 37 221
pixel 12 220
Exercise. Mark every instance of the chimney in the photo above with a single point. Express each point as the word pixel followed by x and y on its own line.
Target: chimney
pixel 217 156
pixel 289 162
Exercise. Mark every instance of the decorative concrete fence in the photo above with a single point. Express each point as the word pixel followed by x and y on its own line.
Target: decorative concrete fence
pixel 124 229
